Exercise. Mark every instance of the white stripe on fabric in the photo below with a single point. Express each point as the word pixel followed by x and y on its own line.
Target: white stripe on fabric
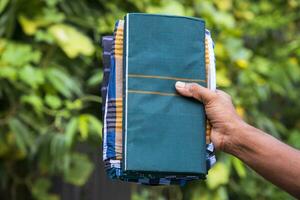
pixel 105 129
pixel 212 63
pixel 126 92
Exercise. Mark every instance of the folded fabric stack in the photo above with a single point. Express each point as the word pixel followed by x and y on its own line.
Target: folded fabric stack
pixel 151 134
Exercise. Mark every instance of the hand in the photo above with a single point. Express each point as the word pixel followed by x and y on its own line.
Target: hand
pixel 220 112
pixel 274 160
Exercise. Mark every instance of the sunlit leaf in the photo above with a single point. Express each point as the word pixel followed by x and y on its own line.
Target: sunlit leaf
pixel 239 167
pixel 83 125
pixel 71 40
pixel 168 7
pixel 222 78
pixel 224 5
pixel 242 63
pixel 8 73
pixel 19 54
pixel 74 105
pixel 29 26
pixel 32 76
pixel 3 4
pixel 53 101
pixel 224 19
pixel 218 175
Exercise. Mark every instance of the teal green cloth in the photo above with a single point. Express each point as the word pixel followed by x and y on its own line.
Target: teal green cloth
pixel 163 131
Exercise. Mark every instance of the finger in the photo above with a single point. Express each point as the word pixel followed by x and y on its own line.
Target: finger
pixel 182 88
pixel 196 91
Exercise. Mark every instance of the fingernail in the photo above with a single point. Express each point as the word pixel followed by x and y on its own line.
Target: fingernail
pixel 180 84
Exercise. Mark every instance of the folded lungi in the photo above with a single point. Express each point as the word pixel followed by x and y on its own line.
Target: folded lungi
pixel 114 91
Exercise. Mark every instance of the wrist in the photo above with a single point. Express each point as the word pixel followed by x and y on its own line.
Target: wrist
pixel 236 138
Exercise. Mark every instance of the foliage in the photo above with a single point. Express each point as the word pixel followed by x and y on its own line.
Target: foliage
pixel 50 76
pixel 49 94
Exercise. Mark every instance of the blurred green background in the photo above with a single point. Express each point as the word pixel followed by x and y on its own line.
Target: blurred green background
pixel 51 72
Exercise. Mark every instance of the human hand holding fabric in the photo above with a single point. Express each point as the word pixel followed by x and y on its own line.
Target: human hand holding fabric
pixel 274 160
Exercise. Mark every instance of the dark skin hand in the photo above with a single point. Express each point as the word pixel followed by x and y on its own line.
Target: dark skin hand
pixel 269 157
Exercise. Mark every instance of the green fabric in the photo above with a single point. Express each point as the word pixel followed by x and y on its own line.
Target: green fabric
pixel 164 133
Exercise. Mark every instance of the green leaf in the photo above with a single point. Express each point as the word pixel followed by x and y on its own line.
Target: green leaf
pixel 53 101
pixel 58 145
pixel 40 189
pixel 44 36
pixel 17 54
pixel 32 76
pixel 218 175
pixel 52 15
pixel 83 125
pixel 225 20
pixel 221 194
pixel 74 105
pixel 294 138
pixel 71 129
pixel 79 171
pixel 239 167
pixel 41 186
pixel 58 83
pixel 23 137
pixel 236 50
pixel 222 78
pixel 52 2
pixel 29 26
pixel 3 4
pixel 168 7
pixel 96 78
pixel 96 125
pixel 71 41
pixel 8 73
pixel 62 82
pixel 35 101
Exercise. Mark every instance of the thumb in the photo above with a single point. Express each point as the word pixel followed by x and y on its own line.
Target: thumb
pixel 196 91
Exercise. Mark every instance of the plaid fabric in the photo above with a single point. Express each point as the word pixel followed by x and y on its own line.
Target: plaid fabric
pixel 112 137
pixel 107 42
pixel 112 102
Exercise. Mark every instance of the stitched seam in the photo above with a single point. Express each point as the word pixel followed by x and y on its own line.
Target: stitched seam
pixel 165 78
pixel 152 92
